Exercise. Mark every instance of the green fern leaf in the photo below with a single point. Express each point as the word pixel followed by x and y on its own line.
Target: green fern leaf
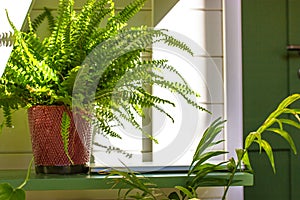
pixel 7 116
pixel 65 126
pixel 6 39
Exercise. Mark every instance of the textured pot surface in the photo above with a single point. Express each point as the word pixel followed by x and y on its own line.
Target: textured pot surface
pixel 47 144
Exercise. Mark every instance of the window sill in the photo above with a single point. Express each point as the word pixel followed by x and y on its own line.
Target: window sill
pixel 95 181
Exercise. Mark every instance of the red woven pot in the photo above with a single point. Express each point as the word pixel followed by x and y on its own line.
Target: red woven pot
pixel 47 144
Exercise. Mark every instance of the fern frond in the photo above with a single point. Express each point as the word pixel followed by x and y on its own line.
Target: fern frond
pixel 86 29
pixel 164 112
pixel 58 40
pixel 120 20
pixel 46 14
pixel 41 73
pixel 65 133
pixel 34 44
pixel 7 39
pixel 7 116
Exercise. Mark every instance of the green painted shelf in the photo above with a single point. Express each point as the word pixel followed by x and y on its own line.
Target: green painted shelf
pixel 96 181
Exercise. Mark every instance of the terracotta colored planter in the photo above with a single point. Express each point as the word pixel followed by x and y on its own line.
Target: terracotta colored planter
pixel 47 144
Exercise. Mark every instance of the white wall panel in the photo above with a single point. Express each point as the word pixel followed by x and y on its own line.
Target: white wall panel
pixel 203 27
pixel 16 139
pixel 205 4
pixel 14 160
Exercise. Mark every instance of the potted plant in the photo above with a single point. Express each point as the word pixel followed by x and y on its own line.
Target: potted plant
pixel 87 72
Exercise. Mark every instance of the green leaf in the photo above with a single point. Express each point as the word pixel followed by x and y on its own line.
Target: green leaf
pixel 291 111
pixel 173 196
pixel 268 149
pixel 65 125
pixel 207 139
pixel 240 153
pixel 250 139
pixel 279 124
pixel 203 170
pixel 132 181
pixel 18 194
pixel 231 164
pixel 290 122
pixel 7 192
pixel 289 100
pixel 188 193
pixel 246 160
pixel 204 158
pixel 286 136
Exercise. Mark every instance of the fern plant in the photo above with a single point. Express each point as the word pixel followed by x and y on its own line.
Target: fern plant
pixel 93 44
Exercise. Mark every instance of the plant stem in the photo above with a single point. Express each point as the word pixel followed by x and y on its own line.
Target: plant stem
pixel 27 175
pixel 70 159
pixel 232 175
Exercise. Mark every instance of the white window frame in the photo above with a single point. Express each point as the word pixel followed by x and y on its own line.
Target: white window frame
pixel 233 71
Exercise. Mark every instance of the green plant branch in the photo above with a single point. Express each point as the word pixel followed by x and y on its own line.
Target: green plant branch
pixel 230 180
pixel 27 175
pixel 256 136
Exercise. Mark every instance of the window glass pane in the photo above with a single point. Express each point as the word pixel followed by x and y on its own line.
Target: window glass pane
pixel 201 29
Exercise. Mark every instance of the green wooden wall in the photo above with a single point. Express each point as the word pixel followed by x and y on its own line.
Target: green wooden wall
pixel 269 75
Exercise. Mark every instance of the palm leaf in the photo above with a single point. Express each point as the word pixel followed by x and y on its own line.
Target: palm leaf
pixel 286 136
pixel 268 149
pixel 290 122
pixel 208 137
pixel 134 180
